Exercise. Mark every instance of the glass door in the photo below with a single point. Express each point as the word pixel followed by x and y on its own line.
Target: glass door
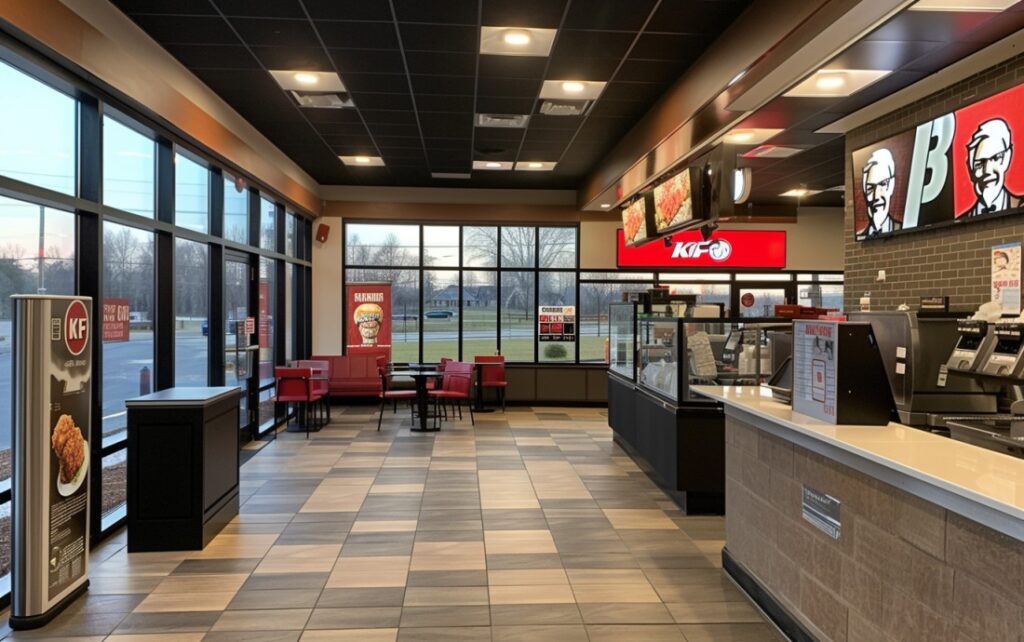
pixel 239 359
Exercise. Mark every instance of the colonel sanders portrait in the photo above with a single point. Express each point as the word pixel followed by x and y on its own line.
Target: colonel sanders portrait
pixel 989 153
pixel 878 178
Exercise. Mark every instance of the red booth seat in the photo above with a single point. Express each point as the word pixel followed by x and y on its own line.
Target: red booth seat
pixel 356 374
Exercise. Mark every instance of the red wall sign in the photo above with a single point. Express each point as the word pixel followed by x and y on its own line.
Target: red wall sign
pixel 726 249
pixel 76 328
pixel 368 322
pixel 116 320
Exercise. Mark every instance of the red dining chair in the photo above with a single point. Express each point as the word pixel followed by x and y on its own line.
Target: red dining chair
pixel 431 384
pixel 294 386
pixel 322 372
pixel 385 393
pixel 493 376
pixel 455 387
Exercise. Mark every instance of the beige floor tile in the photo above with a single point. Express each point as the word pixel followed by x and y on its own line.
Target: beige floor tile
pixel 158 637
pixel 615 593
pixel 607 576
pixel 536 577
pixel 263 620
pixel 187 583
pixel 448 556
pixel 519 542
pixel 299 558
pixel 714 612
pixel 445 596
pixel 532 594
pixel 639 519
pixel 369 572
pixel 355 635
pixel 383 526
pixel 394 489
pixel 236 546
pixel 179 602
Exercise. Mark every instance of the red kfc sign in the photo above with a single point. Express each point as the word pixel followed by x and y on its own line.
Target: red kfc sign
pixel 725 249
pixel 116 320
pixel 76 328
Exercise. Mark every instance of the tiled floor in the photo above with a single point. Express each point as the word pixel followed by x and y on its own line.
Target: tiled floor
pixel 530 526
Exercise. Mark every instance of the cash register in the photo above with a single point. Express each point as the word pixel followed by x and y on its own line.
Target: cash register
pixel 973 344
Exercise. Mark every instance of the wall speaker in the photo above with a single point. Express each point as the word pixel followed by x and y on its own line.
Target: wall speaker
pixel 322 231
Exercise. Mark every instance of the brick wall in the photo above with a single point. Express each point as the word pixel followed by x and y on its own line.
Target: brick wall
pixel 944 261
pixel 902 568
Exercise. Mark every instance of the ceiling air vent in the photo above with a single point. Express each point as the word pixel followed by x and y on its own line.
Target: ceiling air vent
pixel 507 121
pixel 320 100
pixel 564 107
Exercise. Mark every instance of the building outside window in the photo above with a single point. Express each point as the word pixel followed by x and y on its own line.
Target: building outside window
pixel 191 313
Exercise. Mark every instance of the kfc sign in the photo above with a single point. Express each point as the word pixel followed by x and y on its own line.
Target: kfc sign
pixel 725 249
pixel 76 328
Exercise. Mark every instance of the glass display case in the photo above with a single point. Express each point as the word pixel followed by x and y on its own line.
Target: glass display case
pixel 622 339
pixel 674 354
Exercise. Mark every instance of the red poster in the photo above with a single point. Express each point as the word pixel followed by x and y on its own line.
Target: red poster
pixel 725 249
pixel 368 316
pixel 116 322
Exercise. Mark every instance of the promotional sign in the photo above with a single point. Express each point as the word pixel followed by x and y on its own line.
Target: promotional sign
pixel 1006 277
pixel 725 249
pixel 116 320
pixel 958 167
pixel 673 202
pixel 51 394
pixel 556 323
pixel 638 219
pixel 814 369
pixel 368 320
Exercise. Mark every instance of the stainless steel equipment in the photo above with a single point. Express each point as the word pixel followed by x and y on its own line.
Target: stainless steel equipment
pixel 1005 358
pixel 973 346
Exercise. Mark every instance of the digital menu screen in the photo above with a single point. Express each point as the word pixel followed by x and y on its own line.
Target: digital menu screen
pixel 673 202
pixel 957 168
pixel 635 221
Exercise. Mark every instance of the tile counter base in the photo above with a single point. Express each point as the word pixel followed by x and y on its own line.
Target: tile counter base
pixel 901 568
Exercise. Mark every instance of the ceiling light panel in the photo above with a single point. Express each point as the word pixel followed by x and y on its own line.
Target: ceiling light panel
pixel 535 166
pixel 836 83
pixel 503 121
pixel 750 135
pixel 990 6
pixel 299 80
pixel 516 41
pixel 362 161
pixel 572 89
pixel 492 165
pixel 800 192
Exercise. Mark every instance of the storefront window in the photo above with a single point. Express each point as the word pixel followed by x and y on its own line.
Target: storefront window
pixel 479 313
pixel 441 246
pixel 268 225
pixel 386 246
pixel 595 299
pixel 518 307
pixel 518 247
pixel 480 247
pixel 236 211
pixel 129 169
pixel 828 295
pixel 265 335
pixel 706 293
pixel 27 229
pixel 441 314
pixel 557 247
pixel 557 289
pixel 38 140
pixel 760 302
pixel 289 234
pixel 191 194
pixel 289 311
pixel 191 313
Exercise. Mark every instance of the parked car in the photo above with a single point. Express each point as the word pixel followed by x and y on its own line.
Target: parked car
pixel 403 317
pixel 232 326
pixel 439 314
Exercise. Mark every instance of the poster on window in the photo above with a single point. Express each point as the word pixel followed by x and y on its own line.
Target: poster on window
pixel 1006 277
pixel 814 368
pixel 556 323
pixel 52 392
pixel 116 320
pixel 368 317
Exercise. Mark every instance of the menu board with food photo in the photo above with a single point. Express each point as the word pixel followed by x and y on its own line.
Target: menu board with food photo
pixel 369 316
pixel 53 381
pixel 634 221
pixel 673 202
pixel 556 323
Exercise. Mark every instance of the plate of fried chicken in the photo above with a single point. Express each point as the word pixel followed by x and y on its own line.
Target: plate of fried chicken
pixel 72 455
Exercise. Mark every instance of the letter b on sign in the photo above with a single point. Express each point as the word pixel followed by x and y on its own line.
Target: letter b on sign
pixel 76 328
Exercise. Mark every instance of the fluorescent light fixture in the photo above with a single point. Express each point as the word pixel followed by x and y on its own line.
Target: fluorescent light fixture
pixel 980 6
pixel 572 89
pixel 535 166
pixel 605 206
pixel 516 41
pixel 299 80
pixel 749 135
pixel 800 192
pixel 836 83
pixel 503 121
pixel 362 161
pixel 493 165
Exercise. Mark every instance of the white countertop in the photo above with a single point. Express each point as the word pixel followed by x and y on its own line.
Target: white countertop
pixel 994 480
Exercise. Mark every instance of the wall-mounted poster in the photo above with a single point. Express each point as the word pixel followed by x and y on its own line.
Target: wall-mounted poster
pixel 556 323
pixel 956 168
pixel 1006 277
pixel 368 316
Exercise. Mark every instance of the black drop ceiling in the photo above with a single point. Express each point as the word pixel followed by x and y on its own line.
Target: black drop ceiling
pixel 414 72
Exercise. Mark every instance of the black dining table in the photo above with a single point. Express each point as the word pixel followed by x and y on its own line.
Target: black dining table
pixel 420 377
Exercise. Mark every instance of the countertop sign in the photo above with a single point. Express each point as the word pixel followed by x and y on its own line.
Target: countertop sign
pixel 815 364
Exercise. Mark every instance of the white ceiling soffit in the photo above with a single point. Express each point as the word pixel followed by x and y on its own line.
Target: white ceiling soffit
pixel 447 195
pixel 858 21
pixel 961 70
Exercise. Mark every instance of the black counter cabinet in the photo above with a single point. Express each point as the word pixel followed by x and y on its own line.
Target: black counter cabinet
pixel 183 459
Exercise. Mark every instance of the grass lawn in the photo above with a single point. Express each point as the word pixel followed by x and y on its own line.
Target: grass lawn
pixel 517 349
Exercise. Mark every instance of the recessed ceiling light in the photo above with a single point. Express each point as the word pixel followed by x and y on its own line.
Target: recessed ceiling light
pixel 992 6
pixel 750 135
pixel 517 37
pixel 800 192
pixel 572 89
pixel 535 166
pixel 492 165
pixel 362 161
pixel 302 80
pixel 836 83
pixel 605 206
pixel 516 41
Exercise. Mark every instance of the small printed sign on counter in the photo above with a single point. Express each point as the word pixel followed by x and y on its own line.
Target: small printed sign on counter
pixel 822 511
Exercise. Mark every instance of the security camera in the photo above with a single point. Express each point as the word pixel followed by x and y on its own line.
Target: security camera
pixel 707 230
pixel 668 241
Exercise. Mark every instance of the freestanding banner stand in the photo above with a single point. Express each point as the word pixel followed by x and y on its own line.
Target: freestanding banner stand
pixel 52 400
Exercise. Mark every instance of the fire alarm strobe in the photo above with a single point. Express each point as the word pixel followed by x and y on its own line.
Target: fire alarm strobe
pixel 322 231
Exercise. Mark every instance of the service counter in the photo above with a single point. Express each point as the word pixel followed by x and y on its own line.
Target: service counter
pixel 870 532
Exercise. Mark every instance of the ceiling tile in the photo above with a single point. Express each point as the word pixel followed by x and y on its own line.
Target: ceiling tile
pixel 187 29
pixel 454 38
pixel 260 8
pixel 450 12
pixel 274 33
pixel 455 64
pixel 543 14
pixel 458 85
pixel 358 35
pixel 601 14
pixel 166 7
pixel 294 58
pixel 214 56
pixel 364 61
pixel 348 10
